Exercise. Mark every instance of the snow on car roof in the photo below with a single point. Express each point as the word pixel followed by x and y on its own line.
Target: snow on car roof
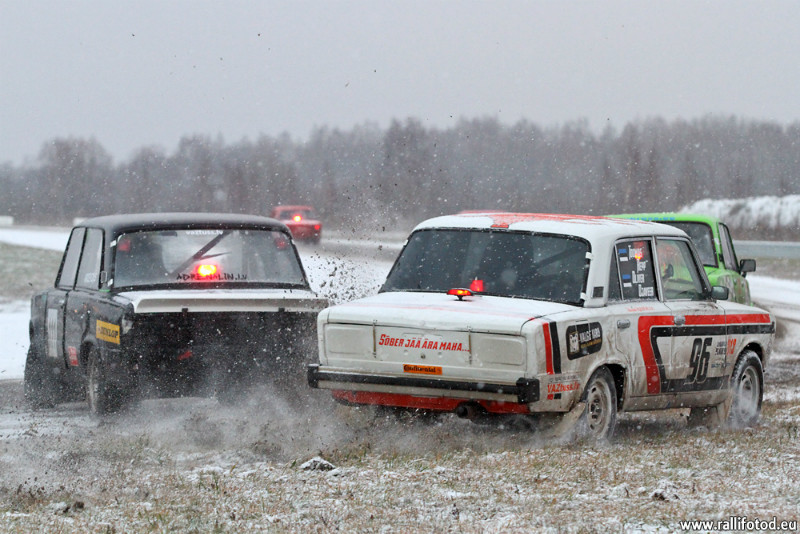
pixel 585 226
pixel 120 223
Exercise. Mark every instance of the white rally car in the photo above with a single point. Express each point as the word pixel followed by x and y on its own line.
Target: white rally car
pixel 501 313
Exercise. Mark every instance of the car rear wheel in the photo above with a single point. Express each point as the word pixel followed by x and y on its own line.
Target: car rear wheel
pixel 39 384
pixel 599 420
pixel 101 397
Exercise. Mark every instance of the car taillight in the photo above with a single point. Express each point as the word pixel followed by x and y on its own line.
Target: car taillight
pixel 206 270
pixel 316 227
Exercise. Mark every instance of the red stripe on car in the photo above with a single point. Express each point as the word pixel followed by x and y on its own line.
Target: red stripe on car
pixel 650 364
pixel 439 404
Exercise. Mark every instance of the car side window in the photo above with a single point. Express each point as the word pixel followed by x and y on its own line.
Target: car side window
pixel 636 273
pixel 680 276
pixel 89 270
pixel 728 252
pixel 69 266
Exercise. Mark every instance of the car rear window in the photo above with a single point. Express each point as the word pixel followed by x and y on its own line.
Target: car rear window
pixel 206 258
pixel 510 264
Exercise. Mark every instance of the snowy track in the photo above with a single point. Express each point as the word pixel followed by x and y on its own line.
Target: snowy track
pixel 781 297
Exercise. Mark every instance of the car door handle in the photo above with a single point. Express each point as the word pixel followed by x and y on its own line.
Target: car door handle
pixel 680 320
pixel 623 323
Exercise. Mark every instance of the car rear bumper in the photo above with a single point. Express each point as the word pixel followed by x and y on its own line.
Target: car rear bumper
pixel 524 391
pixel 303 232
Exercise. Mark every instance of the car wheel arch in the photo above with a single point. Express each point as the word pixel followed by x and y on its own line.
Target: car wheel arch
pixel 619 372
pixel 753 347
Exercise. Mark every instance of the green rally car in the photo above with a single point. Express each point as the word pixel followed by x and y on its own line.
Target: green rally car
pixel 713 241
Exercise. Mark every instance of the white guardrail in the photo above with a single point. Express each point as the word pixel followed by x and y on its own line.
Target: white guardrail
pixel 767 249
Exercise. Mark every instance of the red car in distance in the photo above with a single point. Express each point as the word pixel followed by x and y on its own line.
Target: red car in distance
pixel 301 220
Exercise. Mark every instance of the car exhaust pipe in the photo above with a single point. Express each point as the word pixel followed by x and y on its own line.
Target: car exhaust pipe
pixel 469 411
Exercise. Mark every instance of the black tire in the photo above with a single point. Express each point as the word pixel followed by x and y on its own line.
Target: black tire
pixel 101 397
pixel 747 391
pixel 41 387
pixel 599 420
pixel 742 408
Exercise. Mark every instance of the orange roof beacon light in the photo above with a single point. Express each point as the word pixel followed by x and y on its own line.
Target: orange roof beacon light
pixel 460 292
pixel 476 286
pixel 206 270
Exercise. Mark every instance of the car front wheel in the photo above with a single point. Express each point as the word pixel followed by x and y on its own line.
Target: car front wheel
pixel 742 408
pixel 747 391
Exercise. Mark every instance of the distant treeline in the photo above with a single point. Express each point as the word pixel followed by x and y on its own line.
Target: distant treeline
pixel 397 176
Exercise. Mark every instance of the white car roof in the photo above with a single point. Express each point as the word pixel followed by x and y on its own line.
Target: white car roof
pixel 585 226
pixel 600 232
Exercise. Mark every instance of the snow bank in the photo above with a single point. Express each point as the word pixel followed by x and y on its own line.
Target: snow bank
pixel 765 212
pixel 14 333
pixel 47 239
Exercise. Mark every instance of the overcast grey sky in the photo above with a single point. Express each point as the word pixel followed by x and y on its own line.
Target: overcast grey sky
pixel 147 72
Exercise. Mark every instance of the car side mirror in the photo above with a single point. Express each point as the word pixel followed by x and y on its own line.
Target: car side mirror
pixel 720 293
pixel 746 266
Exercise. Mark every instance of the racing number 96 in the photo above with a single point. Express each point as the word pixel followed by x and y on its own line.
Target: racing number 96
pixel 699 360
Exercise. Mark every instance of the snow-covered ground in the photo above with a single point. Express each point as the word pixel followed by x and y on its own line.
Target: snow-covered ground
pixel 14 333
pixel 780 296
pixel 52 239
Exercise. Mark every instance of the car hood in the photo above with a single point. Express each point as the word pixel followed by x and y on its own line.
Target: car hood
pixel 439 311
pixel 224 300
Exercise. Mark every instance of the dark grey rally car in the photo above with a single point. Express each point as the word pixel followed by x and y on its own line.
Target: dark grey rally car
pixel 169 305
